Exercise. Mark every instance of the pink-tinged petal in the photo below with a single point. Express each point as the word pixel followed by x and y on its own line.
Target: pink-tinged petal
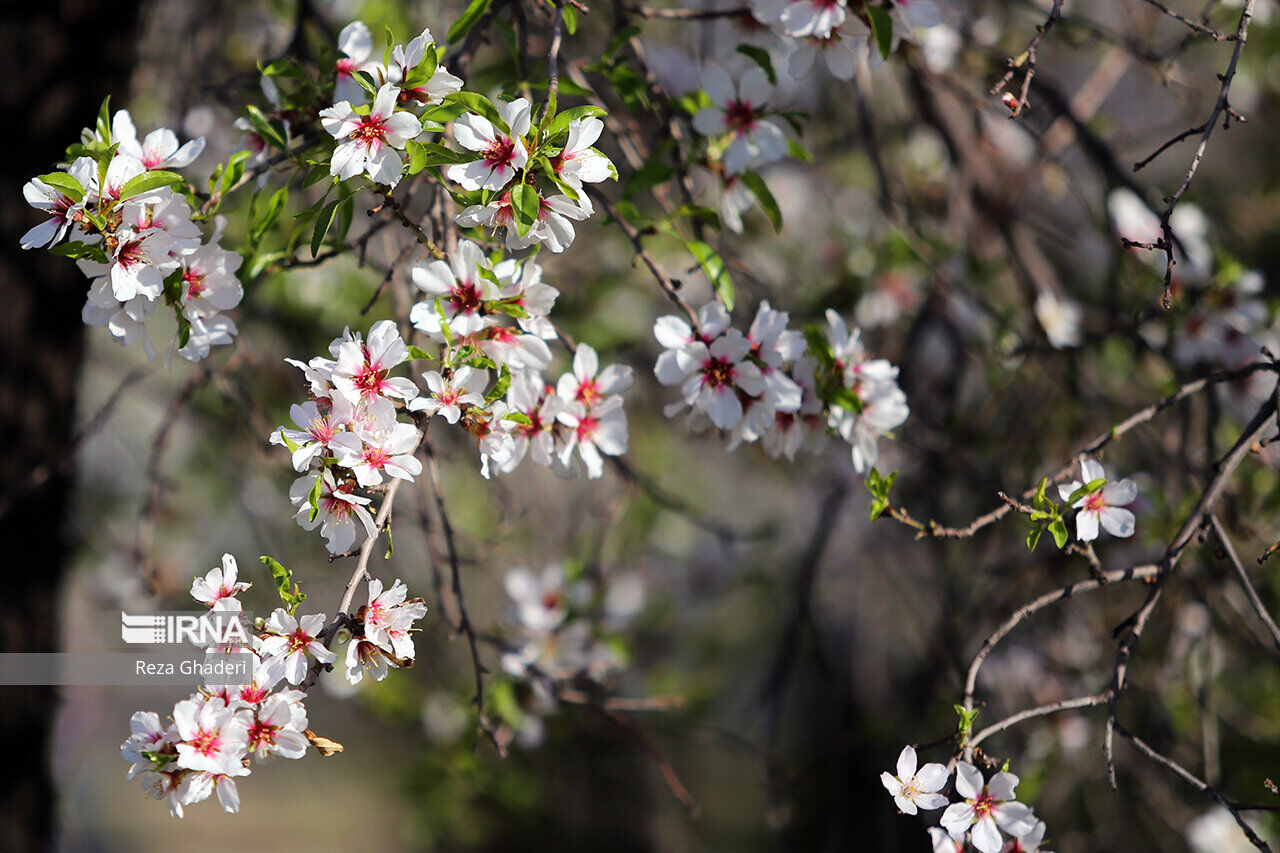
pixel 385 167
pixel 1086 526
pixel 339 120
pixel 722 406
pixel 986 837
pixel 672 332
pixel 384 104
pixel 473 132
pixel 348 161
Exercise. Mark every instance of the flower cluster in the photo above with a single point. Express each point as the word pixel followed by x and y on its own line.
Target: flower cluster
pixel 349 440
pixel 496 318
pixel 527 179
pixel 985 807
pixel 213 734
pixel 779 386
pixel 371 135
pixel 381 635
pixel 128 222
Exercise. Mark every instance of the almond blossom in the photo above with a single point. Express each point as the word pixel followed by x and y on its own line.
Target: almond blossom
pixel 318 427
pixel 370 141
pixel 1106 506
pixel 61 208
pixel 592 431
pixel 159 150
pixel 840 51
pixel 802 18
pixel 449 395
pixel 361 368
pixel 587 383
pixel 274 730
pixel 739 111
pixel 339 508
pixel 711 377
pixel 461 288
pixel 1028 842
pixel 986 807
pixel 553 226
pixel 578 163
pixel 213 736
pixel 292 640
pixel 502 153
pixel 911 789
pixel 404 60
pixel 219 583
pixel 384 447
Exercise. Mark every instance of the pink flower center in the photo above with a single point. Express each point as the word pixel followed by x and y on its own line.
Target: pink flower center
pixel 587 427
pixel 195 284
pixel 252 694
pixel 298 641
pixel 207 741
pixel 983 805
pixel 500 152
pixel 465 298
pixel 1095 502
pixel 375 457
pixel 346 66
pixel 551 599
pixel 740 116
pixel 262 734
pixel 370 380
pixel 588 393
pixel 371 132
pixel 131 254
pixel 717 373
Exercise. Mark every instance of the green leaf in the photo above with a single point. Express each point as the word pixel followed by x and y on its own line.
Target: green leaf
pixel 444 320
pixel 269 214
pixel 761 57
pixel 526 206
pixel 104 121
pixel 313 497
pixel 563 119
pixel 1033 536
pixel 796 151
pixel 571 20
pixel 1087 489
pixel 148 181
pixel 64 183
pixel 882 29
pixel 518 417
pixel 264 128
pixel 391 546
pixel 765 198
pixel 500 387
pixel 847 399
pixel 78 250
pixel 819 346
pixel 480 105
pixel 714 268
pixel 470 17
pixel 323 221
pixel 1059 530
pixel 284 582
pixel 420 353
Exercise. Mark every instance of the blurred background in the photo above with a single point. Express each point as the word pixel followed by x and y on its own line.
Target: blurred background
pixel 805 644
